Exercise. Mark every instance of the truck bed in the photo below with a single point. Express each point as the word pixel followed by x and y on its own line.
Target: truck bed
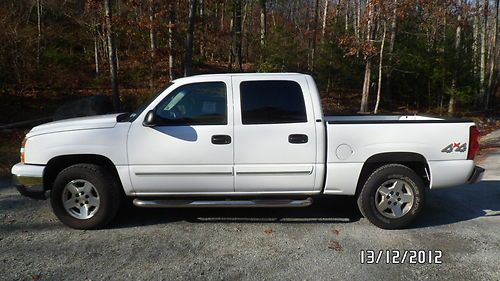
pixel 353 140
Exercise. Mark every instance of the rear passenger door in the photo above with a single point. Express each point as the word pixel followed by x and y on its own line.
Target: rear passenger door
pixel 275 137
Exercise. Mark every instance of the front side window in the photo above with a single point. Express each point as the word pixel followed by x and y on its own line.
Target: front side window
pixel 268 102
pixel 195 104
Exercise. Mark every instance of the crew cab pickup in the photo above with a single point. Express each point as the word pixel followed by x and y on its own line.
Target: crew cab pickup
pixel 243 140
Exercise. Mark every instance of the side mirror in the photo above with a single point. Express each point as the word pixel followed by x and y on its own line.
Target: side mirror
pixel 150 119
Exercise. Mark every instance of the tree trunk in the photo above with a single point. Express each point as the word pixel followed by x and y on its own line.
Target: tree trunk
pixel 231 45
pixel 451 103
pixel 366 85
pixel 325 16
pixel 171 25
pixel 204 29
pixel 355 18
pixel 368 66
pixel 482 68
pixel 475 44
pixel 263 23
pixel 39 26
pixel 315 27
pixel 188 60
pixel 380 64
pixel 443 59
pixel 96 50
pixel 358 18
pixel 222 17
pixel 308 36
pixel 346 15
pixel 491 93
pixel 152 43
pixel 237 33
pixel 247 25
pixel 392 40
pixel 337 12
pixel 112 55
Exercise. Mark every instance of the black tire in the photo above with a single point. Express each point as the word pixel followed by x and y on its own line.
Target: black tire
pixel 110 195
pixel 366 198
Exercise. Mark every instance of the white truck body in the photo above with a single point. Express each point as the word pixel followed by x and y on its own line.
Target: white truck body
pixel 257 159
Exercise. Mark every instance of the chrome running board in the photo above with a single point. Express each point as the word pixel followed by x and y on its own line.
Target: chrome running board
pixel 262 203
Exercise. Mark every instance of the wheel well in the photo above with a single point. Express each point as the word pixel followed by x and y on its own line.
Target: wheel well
pixel 59 163
pixel 414 161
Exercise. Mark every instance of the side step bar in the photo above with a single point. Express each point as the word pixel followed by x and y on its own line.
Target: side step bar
pixel 223 203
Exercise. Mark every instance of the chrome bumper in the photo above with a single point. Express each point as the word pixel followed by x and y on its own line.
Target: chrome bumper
pixel 477 175
pixel 28 180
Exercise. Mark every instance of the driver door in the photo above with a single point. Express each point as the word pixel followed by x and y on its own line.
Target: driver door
pixel 190 149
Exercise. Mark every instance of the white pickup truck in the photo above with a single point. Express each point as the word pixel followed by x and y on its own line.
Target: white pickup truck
pixel 243 140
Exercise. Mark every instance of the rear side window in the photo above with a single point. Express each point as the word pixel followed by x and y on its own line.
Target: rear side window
pixel 268 102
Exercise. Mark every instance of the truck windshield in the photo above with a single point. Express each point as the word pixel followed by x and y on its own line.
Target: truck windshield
pixel 143 106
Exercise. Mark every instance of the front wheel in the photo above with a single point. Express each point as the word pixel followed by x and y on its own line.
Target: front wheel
pixel 85 196
pixel 392 196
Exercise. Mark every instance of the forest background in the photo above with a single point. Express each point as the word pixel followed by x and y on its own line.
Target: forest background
pixel 367 56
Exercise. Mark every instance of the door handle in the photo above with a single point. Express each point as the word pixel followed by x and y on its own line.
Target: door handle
pixel 297 138
pixel 221 139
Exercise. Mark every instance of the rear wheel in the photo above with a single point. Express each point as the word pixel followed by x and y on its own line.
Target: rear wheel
pixel 392 196
pixel 85 196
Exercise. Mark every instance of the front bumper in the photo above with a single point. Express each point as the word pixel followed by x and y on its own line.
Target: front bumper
pixel 477 175
pixel 28 180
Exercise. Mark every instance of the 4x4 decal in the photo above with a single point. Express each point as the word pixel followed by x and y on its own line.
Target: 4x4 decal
pixel 455 146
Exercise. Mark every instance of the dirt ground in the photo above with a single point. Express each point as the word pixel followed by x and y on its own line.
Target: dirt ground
pixel 320 242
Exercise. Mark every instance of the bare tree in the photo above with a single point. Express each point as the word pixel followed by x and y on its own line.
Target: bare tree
pixel 222 17
pixel 231 45
pixel 315 30
pixel 203 26
pixel 346 27
pixel 263 22
pixel 188 59
pixel 95 32
pixel 358 19
pixel 482 68
pixel 112 54
pixel 308 36
pixel 380 64
pixel 39 10
pixel 443 57
pixel 171 25
pixel 246 24
pixel 368 65
pixel 458 33
pixel 237 36
pixel 152 43
pixel 325 16
pixel 392 40
pixel 475 35
pixel 491 93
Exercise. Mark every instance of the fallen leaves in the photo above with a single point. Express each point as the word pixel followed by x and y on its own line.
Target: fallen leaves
pixel 269 231
pixel 335 245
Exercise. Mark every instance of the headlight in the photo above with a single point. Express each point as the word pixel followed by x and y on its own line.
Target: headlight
pixel 22 150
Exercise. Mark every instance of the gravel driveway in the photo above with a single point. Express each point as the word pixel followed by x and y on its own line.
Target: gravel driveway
pixel 321 242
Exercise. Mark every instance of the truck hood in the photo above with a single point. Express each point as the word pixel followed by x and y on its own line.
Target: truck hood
pixel 82 123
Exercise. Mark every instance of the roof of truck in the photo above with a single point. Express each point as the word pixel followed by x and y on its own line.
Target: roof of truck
pixel 239 74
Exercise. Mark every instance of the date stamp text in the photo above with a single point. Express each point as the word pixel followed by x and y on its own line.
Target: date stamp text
pixel 401 256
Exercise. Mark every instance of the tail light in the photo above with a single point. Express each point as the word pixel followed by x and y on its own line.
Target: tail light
pixel 22 150
pixel 473 142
